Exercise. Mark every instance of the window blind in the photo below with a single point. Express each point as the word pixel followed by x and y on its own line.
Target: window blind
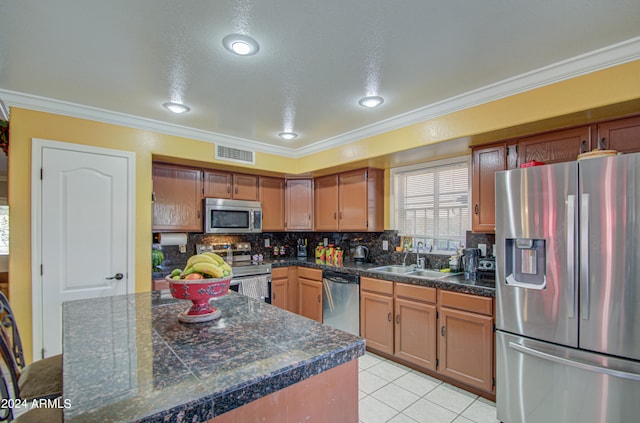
pixel 432 203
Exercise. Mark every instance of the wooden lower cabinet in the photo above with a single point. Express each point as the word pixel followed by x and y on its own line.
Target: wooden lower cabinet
pixel 399 319
pixel 310 293
pixel 376 314
pixel 442 332
pixel 280 287
pixel 415 319
pixel 466 339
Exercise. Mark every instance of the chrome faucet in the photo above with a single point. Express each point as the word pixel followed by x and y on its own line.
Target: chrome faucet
pixel 419 260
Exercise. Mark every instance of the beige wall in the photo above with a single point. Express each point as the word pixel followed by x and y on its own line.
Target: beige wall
pixel 602 88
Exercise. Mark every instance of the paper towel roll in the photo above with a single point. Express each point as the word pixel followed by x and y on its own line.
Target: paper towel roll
pixel 172 239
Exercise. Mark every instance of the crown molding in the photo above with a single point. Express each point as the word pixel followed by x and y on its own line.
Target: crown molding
pixel 593 61
pixel 607 57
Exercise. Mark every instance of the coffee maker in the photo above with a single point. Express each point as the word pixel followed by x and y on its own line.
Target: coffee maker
pixel 470 261
pixel 301 250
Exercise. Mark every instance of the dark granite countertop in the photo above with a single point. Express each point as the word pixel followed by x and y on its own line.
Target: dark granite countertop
pixel 128 358
pixel 482 286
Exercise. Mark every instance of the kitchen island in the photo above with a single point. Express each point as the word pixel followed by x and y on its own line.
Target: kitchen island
pixel 128 358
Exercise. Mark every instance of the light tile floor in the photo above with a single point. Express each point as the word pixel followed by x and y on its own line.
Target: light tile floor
pixel 390 392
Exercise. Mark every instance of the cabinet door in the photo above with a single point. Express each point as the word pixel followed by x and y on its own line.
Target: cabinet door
pixel 310 298
pixel 299 205
pixel 466 347
pixel 245 187
pixel 325 215
pixel 272 199
pixel 486 162
pixel 177 204
pixel 415 332
pixel 376 321
pixel 217 184
pixel 353 209
pixel 555 147
pixel 279 292
pixel 622 135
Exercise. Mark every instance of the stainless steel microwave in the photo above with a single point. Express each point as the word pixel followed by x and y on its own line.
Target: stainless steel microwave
pixel 232 216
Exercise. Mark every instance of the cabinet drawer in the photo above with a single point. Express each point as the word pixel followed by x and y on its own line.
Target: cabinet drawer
pixel 279 272
pixel 468 302
pixel 313 274
pixel 416 293
pixel 376 285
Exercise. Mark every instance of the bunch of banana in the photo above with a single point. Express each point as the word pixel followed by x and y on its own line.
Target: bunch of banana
pixel 203 265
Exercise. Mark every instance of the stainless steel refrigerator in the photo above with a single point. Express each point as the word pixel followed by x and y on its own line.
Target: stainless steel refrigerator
pixel 568 292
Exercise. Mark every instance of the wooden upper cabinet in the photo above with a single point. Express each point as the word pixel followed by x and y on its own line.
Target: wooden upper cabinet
pixel 555 147
pixel 325 212
pixel 272 199
pixel 299 204
pixel 245 187
pixel 353 190
pixel 217 184
pixel 350 201
pixel 622 135
pixel 239 186
pixel 177 193
pixel 487 161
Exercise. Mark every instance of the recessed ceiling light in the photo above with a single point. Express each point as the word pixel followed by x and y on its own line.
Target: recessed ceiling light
pixel 240 44
pixel 176 107
pixel 371 101
pixel 287 135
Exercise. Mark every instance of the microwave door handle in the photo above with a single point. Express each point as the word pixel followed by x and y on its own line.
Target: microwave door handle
pixel 251 220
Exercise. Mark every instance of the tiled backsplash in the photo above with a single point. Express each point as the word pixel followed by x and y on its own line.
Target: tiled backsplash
pixel 346 240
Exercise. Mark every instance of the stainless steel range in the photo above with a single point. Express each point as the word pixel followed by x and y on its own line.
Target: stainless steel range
pixel 249 278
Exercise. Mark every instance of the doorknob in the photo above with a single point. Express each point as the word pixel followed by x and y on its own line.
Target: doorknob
pixel 118 276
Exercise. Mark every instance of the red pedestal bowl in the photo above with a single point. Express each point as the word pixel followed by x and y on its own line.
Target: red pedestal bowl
pixel 199 291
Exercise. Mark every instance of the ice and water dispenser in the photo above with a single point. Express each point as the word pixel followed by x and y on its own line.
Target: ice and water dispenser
pixel 525 263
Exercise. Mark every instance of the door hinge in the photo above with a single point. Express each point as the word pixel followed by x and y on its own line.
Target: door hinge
pixel 42 354
pixel 41 270
pixel 437 314
pixel 41 173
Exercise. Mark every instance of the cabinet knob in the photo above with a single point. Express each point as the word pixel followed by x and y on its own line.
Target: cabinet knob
pixel 583 148
pixel 318 297
pixel 397 319
pixel 603 144
pixel 442 331
pixel 236 189
pixel 389 317
pixel 335 215
pixel 228 189
pixel 475 209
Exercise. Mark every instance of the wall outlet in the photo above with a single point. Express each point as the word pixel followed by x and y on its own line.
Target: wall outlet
pixel 385 245
pixel 326 242
pixel 267 242
pixel 183 248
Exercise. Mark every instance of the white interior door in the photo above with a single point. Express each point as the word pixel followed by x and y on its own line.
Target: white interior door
pixel 86 227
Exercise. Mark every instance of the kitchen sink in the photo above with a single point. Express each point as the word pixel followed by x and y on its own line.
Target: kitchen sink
pixel 432 274
pixel 394 269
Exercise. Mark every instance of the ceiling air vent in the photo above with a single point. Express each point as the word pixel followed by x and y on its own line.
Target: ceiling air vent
pixel 230 154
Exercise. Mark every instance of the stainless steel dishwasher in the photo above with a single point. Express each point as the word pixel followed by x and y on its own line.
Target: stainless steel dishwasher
pixel 341 301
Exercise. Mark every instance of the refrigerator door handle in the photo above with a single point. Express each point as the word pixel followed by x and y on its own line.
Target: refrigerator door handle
pixel 571 254
pixel 584 256
pixel 580 365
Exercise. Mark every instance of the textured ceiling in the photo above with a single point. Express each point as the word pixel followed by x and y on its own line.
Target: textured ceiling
pixel 316 58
